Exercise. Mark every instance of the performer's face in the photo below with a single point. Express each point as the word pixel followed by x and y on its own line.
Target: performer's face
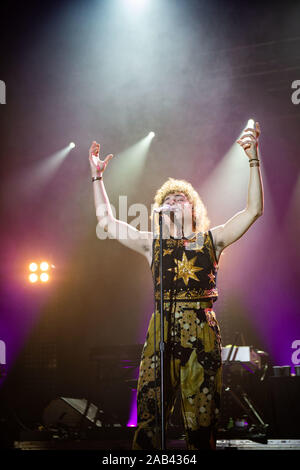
pixel 182 203
pixel 178 199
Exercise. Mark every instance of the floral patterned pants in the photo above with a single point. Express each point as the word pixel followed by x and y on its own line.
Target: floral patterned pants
pixel 192 364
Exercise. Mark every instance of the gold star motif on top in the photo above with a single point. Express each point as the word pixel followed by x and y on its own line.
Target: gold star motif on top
pixel 186 269
pixel 167 251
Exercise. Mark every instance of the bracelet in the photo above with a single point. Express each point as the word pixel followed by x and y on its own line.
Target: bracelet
pixel 255 164
pixel 252 159
pixel 96 178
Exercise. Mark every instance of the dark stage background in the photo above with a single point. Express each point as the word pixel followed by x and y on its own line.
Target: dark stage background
pixel 191 71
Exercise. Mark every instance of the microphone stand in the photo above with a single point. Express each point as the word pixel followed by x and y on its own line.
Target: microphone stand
pixel 162 342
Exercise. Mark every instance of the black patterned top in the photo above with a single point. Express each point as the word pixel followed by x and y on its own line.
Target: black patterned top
pixel 189 268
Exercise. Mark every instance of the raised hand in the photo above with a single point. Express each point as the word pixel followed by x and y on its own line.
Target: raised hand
pixel 249 141
pixel 97 166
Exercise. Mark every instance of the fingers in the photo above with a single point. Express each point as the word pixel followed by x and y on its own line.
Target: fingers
pixel 109 157
pixel 256 130
pixel 250 133
pixel 248 136
pixel 95 149
pixel 245 145
pixel 249 140
pixel 257 125
pixel 95 152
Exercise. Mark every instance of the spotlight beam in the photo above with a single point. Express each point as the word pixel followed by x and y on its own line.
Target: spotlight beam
pixel 131 161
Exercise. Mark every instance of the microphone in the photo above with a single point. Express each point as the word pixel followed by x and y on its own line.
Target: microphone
pixel 166 208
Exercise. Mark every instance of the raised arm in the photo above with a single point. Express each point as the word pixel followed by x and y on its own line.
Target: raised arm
pixel 140 241
pixel 235 227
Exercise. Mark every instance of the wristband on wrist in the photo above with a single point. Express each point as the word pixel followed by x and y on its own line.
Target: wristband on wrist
pixel 96 178
pixel 255 163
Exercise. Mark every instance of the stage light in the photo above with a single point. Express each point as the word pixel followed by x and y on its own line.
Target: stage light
pixel 250 124
pixel 151 134
pixel 44 277
pixel 44 266
pixel 71 145
pixel 33 267
pixel 38 273
pixel 136 3
pixel 33 278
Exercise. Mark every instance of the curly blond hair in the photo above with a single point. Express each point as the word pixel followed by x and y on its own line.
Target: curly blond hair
pixel 199 212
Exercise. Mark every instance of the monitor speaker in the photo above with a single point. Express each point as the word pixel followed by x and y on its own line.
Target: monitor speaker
pixel 73 413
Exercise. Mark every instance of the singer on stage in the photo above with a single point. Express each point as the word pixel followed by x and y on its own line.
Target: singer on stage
pixel 191 253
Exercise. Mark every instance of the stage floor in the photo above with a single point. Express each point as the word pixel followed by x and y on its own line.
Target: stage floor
pixel 179 444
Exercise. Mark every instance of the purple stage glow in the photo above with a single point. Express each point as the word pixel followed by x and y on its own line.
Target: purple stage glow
pixel 20 304
pixel 20 308
pixel 133 411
